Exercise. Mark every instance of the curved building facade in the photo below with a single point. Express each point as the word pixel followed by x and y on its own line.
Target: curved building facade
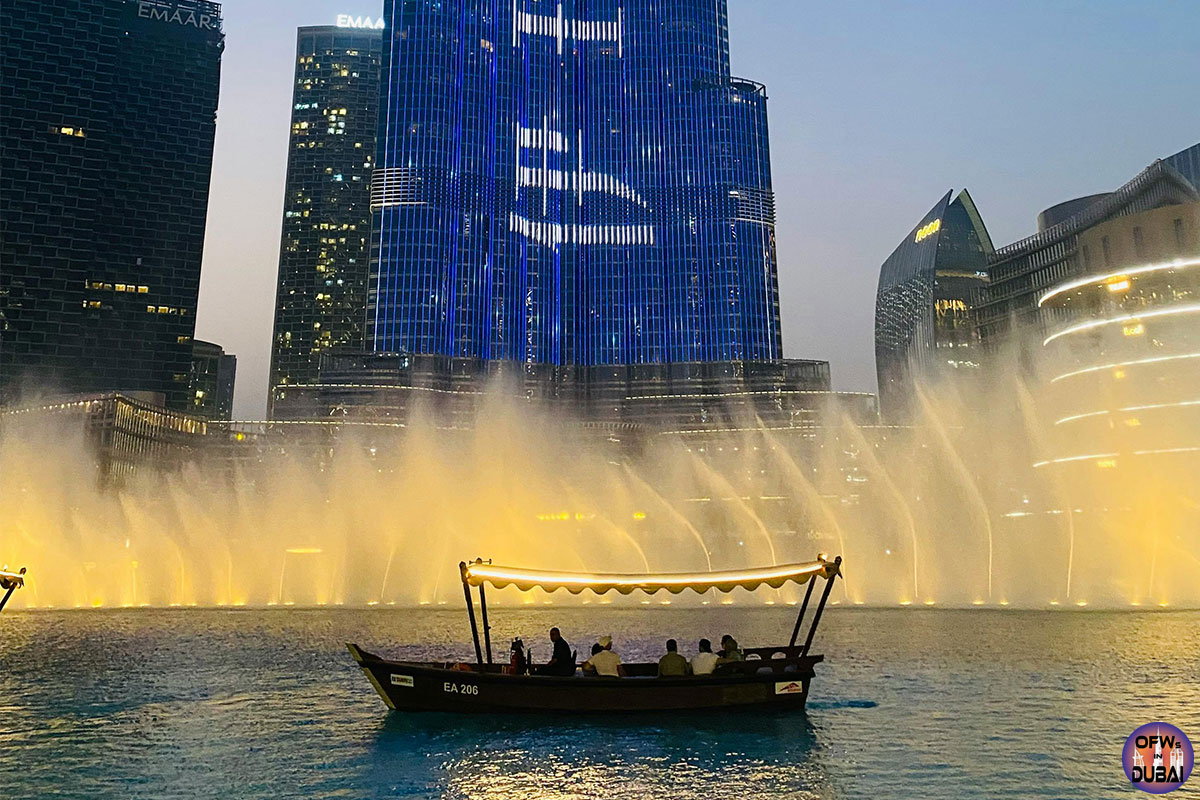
pixel 1008 315
pixel 570 183
pixel 923 325
pixel 1122 364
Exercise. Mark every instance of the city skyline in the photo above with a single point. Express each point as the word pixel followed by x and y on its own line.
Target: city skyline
pixel 861 135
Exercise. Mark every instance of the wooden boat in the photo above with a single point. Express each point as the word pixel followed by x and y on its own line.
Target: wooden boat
pixel 772 677
pixel 10 582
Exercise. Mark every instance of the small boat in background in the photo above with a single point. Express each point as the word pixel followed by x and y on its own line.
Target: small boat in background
pixel 10 582
pixel 773 677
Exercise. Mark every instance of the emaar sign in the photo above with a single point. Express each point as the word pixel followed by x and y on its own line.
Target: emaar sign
pixel 187 17
pixel 347 21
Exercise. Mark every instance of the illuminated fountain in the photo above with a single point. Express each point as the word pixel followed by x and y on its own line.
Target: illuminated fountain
pixel 951 511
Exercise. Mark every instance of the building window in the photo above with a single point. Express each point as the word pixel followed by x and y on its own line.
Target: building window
pixel 1087 257
pixel 1107 251
pixel 1139 243
pixel 1179 234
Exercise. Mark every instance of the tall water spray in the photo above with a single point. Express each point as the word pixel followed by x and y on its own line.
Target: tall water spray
pixel 948 511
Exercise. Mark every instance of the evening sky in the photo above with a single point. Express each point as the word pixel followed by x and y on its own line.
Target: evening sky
pixel 876 109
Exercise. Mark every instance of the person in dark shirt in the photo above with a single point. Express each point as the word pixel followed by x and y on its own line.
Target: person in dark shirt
pixel 561 662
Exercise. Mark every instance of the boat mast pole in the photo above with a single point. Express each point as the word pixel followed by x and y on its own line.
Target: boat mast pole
pixel 812 582
pixel 487 629
pixel 462 569
pixel 837 563
pixel 8 594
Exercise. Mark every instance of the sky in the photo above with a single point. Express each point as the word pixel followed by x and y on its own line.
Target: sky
pixel 876 109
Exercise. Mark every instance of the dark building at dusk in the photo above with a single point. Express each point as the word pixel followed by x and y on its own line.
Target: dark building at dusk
pixel 107 141
pixel 211 387
pixel 923 325
pixel 571 184
pixel 324 253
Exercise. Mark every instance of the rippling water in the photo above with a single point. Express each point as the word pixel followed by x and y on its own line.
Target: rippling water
pixel 267 703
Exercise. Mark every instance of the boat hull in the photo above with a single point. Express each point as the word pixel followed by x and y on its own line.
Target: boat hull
pixel 415 686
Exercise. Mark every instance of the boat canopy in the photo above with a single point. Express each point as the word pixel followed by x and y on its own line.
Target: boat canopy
pixel 477 573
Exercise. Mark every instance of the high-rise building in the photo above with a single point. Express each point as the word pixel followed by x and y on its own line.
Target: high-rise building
pixel 211 387
pixel 324 253
pixel 570 183
pixel 923 325
pixel 107 134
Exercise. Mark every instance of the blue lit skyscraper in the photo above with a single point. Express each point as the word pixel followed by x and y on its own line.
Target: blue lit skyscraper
pixel 575 182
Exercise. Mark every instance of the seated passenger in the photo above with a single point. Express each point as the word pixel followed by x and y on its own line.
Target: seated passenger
pixel 730 650
pixel 562 661
pixel 672 664
pixel 604 662
pixel 517 663
pixel 705 660
pixel 586 666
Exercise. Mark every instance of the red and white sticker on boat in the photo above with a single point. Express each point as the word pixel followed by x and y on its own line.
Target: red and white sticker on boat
pixel 402 680
pixel 789 687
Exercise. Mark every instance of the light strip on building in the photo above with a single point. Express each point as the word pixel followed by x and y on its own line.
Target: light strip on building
pixel 1074 417
pixel 1100 280
pixel 1136 363
pixel 1190 308
pixel 1166 450
pixel 1130 409
pixel 1068 459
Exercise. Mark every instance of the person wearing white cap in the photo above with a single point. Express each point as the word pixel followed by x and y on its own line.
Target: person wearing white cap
pixel 605 662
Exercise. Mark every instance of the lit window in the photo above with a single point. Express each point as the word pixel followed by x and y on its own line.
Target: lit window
pixel 143 289
pixel 163 309
pixel 149 309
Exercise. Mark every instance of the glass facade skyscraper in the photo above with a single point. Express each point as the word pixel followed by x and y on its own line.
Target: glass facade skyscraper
pixel 923 322
pixel 570 182
pixel 324 251
pixel 1187 163
pixel 107 143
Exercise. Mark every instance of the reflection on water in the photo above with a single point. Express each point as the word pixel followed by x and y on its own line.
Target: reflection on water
pixel 688 755
pixel 262 704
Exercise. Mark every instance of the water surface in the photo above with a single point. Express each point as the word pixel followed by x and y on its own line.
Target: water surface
pixel 267 703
